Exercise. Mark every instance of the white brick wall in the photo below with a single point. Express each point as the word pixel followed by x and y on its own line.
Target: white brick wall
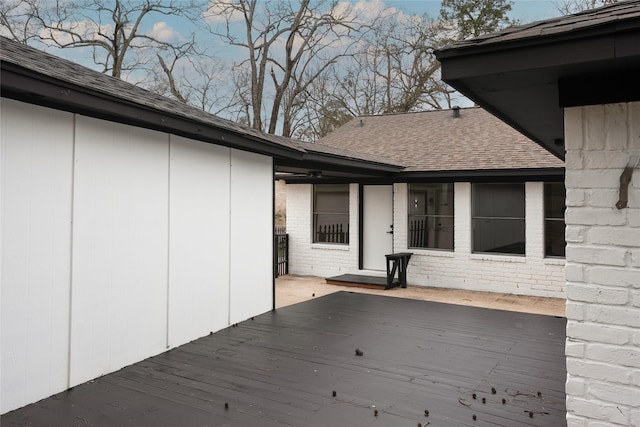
pixel 307 258
pixel 530 275
pixel 603 267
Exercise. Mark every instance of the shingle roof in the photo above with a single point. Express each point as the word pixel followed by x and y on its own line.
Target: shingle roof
pixel 528 74
pixel 66 71
pixel 436 141
pixel 344 152
pixel 70 78
pixel 623 10
pixel 429 141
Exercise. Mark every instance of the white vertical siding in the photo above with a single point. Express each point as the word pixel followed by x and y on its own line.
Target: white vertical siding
pixel 251 263
pixel 119 242
pixel 199 239
pixel 603 266
pixel 120 247
pixel 36 158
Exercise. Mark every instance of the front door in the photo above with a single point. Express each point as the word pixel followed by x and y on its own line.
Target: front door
pixel 377 228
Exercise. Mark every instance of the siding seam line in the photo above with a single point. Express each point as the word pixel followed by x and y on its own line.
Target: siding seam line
pixel 230 237
pixel 73 195
pixel 167 325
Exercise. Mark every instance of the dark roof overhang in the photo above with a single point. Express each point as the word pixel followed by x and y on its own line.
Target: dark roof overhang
pixel 322 167
pixel 527 76
pixel 70 89
pixel 493 175
pixel 488 175
pixel 35 88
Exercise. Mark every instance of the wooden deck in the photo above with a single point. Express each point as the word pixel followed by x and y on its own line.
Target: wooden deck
pixel 282 368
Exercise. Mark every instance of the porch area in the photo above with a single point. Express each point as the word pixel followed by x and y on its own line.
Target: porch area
pixel 292 289
pixel 420 362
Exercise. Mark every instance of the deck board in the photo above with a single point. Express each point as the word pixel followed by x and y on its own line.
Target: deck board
pixel 280 370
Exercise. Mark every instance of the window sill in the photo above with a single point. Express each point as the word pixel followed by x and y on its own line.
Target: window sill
pixel 501 258
pixel 330 246
pixel 443 253
pixel 555 261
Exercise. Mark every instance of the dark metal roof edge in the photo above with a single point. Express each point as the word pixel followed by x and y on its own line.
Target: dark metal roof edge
pixel 494 175
pixel 32 87
pixel 464 89
pixel 457 175
pixel 343 161
pixel 464 48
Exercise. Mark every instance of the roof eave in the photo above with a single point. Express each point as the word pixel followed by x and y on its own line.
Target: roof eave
pixel 348 162
pixel 518 80
pixel 321 167
pixel 34 88
pixel 486 175
pixel 547 174
pixel 547 40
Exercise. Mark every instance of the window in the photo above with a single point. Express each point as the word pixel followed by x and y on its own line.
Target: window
pixel 431 216
pixel 331 213
pixel 554 206
pixel 498 218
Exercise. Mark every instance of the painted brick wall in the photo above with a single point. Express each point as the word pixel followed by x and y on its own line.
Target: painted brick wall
pixel 314 259
pixel 603 267
pixel 530 275
pixel 281 203
pixel 461 269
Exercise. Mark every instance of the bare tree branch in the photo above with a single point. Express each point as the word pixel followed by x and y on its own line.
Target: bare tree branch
pixel 282 40
pixel 16 20
pixel 112 29
pixel 569 7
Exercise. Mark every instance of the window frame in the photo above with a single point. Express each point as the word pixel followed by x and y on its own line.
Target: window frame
pixel 547 219
pixel 338 235
pixel 494 218
pixel 426 216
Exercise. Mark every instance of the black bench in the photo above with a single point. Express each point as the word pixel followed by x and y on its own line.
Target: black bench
pixel 397 262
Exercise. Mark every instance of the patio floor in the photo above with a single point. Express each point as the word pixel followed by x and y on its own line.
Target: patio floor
pixel 281 369
pixel 291 289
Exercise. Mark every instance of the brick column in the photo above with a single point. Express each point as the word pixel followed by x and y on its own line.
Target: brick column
pixel 603 267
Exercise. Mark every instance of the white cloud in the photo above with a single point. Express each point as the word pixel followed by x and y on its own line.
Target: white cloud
pixel 87 30
pixel 161 31
pixel 219 11
pixel 366 10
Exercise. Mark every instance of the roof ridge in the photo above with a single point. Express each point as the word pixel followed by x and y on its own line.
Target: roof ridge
pixel 594 11
pixel 400 113
pixel 546 29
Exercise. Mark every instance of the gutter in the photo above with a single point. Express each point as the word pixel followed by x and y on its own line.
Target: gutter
pixel 550 31
pixel 34 88
pixel 340 161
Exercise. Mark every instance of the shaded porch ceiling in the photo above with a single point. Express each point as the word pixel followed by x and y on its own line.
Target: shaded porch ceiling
pixel 526 75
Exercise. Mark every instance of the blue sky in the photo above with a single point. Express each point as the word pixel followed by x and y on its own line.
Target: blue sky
pixel 523 10
pixel 175 28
